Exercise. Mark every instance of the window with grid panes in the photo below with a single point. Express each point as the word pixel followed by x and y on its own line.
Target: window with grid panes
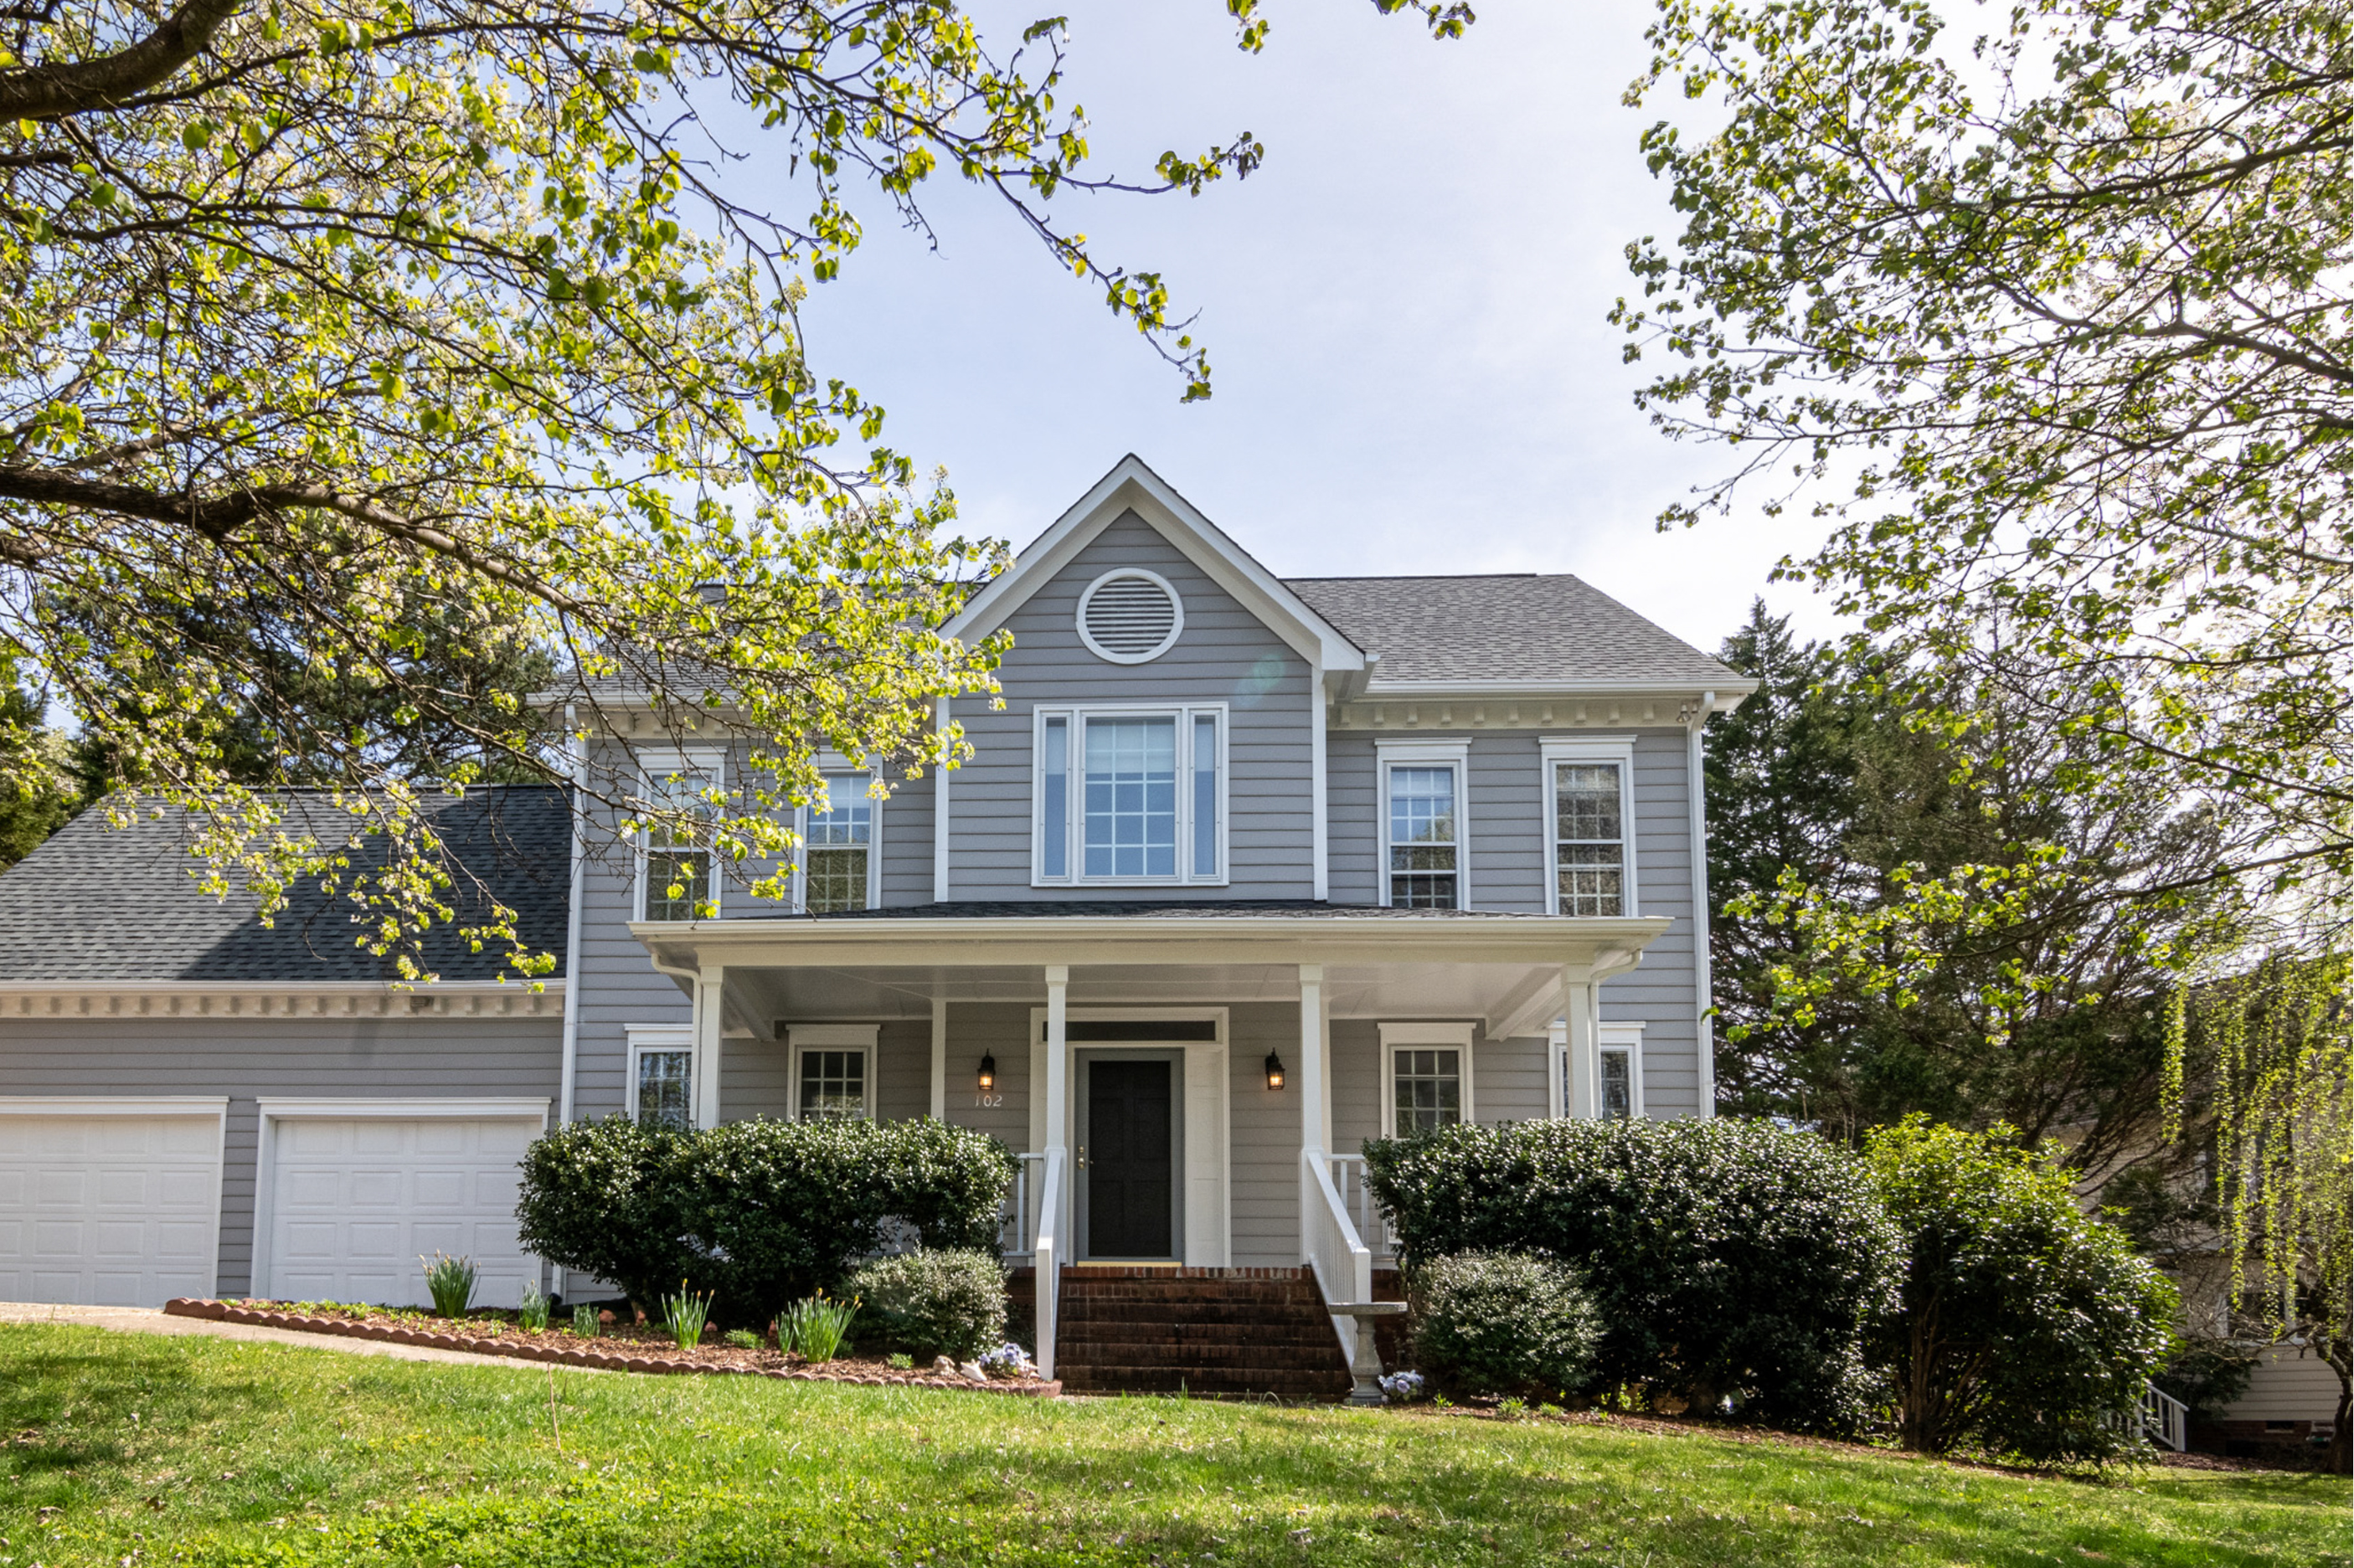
pixel 841 840
pixel 833 1083
pixel 678 853
pixel 1423 849
pixel 1589 839
pixel 664 1099
pixel 1426 1089
pixel 1617 1084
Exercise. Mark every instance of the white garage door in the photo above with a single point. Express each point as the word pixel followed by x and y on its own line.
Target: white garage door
pixel 355 1201
pixel 105 1208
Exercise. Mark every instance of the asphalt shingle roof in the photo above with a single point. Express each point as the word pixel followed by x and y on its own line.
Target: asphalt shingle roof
pixel 99 903
pixel 1519 628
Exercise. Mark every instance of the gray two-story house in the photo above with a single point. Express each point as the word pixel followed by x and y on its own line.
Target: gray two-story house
pixel 1242 872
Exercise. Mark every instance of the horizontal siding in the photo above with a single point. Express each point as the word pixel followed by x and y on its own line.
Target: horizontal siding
pixel 1263 1138
pixel 1660 994
pixel 1225 654
pixel 442 1058
pixel 2287 1386
pixel 904 824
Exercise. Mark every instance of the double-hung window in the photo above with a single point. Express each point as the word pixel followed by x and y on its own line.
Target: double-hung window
pixel 1423 824
pixel 1130 795
pixel 839 865
pixel 662 1079
pixel 833 1071
pixel 1587 791
pixel 674 855
pixel 1428 1081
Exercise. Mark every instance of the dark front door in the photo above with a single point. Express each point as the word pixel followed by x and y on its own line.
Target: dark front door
pixel 1128 1159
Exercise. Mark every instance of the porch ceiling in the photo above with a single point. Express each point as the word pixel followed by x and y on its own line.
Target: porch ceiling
pixel 1504 970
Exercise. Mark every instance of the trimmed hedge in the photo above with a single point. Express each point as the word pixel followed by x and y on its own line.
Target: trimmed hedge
pixel 1504 1322
pixel 758 1212
pixel 933 1303
pixel 1728 1258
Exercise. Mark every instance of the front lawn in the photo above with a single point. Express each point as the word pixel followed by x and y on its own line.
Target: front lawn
pixel 138 1451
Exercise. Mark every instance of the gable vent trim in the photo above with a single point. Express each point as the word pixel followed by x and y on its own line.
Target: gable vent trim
pixel 1130 615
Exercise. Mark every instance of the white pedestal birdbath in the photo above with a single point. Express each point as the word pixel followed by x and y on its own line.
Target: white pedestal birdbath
pixel 1367 1362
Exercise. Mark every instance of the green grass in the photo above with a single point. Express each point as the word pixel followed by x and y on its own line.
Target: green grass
pixel 143 1451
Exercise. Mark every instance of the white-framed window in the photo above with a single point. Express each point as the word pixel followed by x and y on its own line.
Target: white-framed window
pixel 1425 1076
pixel 1589 822
pixel 1617 1073
pixel 1129 795
pixel 674 855
pixel 661 1089
pixel 1424 823
pixel 838 863
pixel 832 1070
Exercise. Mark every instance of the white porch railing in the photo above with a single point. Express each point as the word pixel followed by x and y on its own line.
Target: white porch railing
pixel 1357 1199
pixel 1343 1265
pixel 1046 1255
pixel 1017 1226
pixel 2165 1417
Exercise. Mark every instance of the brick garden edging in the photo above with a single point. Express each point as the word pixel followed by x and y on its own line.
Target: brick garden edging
pixel 525 1350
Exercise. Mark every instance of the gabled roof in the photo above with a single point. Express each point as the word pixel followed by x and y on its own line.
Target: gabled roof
pixel 101 902
pixel 1131 486
pixel 1515 630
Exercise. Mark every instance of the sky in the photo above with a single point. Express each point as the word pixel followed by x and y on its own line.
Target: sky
pixel 1405 308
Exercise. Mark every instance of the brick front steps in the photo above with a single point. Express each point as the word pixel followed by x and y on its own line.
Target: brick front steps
pixel 1212 1331
pixel 529 1351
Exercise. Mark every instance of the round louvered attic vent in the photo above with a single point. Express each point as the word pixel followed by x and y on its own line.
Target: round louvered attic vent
pixel 1129 616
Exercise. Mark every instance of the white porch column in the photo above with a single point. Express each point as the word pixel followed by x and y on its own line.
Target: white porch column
pixel 1058 1092
pixel 1315 1079
pixel 703 1063
pixel 940 1059
pixel 1577 1014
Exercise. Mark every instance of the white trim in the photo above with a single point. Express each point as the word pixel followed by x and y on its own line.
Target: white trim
pixel 802 1038
pixel 1626 1037
pixel 1423 1036
pixel 408 1108
pixel 1452 754
pixel 112 1105
pixel 1131 486
pixel 940 721
pixel 568 1078
pixel 1319 720
pixel 1729 689
pixel 212 1105
pixel 1207 1113
pixel 1553 750
pixel 1075 717
pixel 275 1109
pixel 1703 970
pixel 647 1038
pixel 1176 622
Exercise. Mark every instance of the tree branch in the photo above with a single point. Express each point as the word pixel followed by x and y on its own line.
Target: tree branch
pixel 52 91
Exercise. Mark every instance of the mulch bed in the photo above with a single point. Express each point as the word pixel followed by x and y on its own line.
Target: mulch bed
pixel 623 1347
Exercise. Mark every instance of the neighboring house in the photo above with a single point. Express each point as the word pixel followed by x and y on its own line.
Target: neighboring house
pixel 1242 872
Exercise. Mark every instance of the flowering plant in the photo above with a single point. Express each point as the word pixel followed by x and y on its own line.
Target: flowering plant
pixel 1402 1387
pixel 1007 1361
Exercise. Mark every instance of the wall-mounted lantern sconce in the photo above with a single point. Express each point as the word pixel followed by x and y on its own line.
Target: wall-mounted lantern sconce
pixel 987 1074
pixel 1274 1071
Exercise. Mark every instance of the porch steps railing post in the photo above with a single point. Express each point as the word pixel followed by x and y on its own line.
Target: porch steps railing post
pixel 1343 1265
pixel 1047 1256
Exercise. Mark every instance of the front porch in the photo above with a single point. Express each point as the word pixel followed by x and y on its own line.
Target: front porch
pixel 1185 1087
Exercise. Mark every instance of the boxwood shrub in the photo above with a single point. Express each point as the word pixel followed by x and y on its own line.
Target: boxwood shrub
pixel 758 1212
pixel 1504 1323
pixel 933 1303
pixel 1728 1258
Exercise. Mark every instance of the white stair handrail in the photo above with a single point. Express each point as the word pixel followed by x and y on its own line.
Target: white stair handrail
pixel 1343 1265
pixel 2165 1417
pixel 1045 1257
